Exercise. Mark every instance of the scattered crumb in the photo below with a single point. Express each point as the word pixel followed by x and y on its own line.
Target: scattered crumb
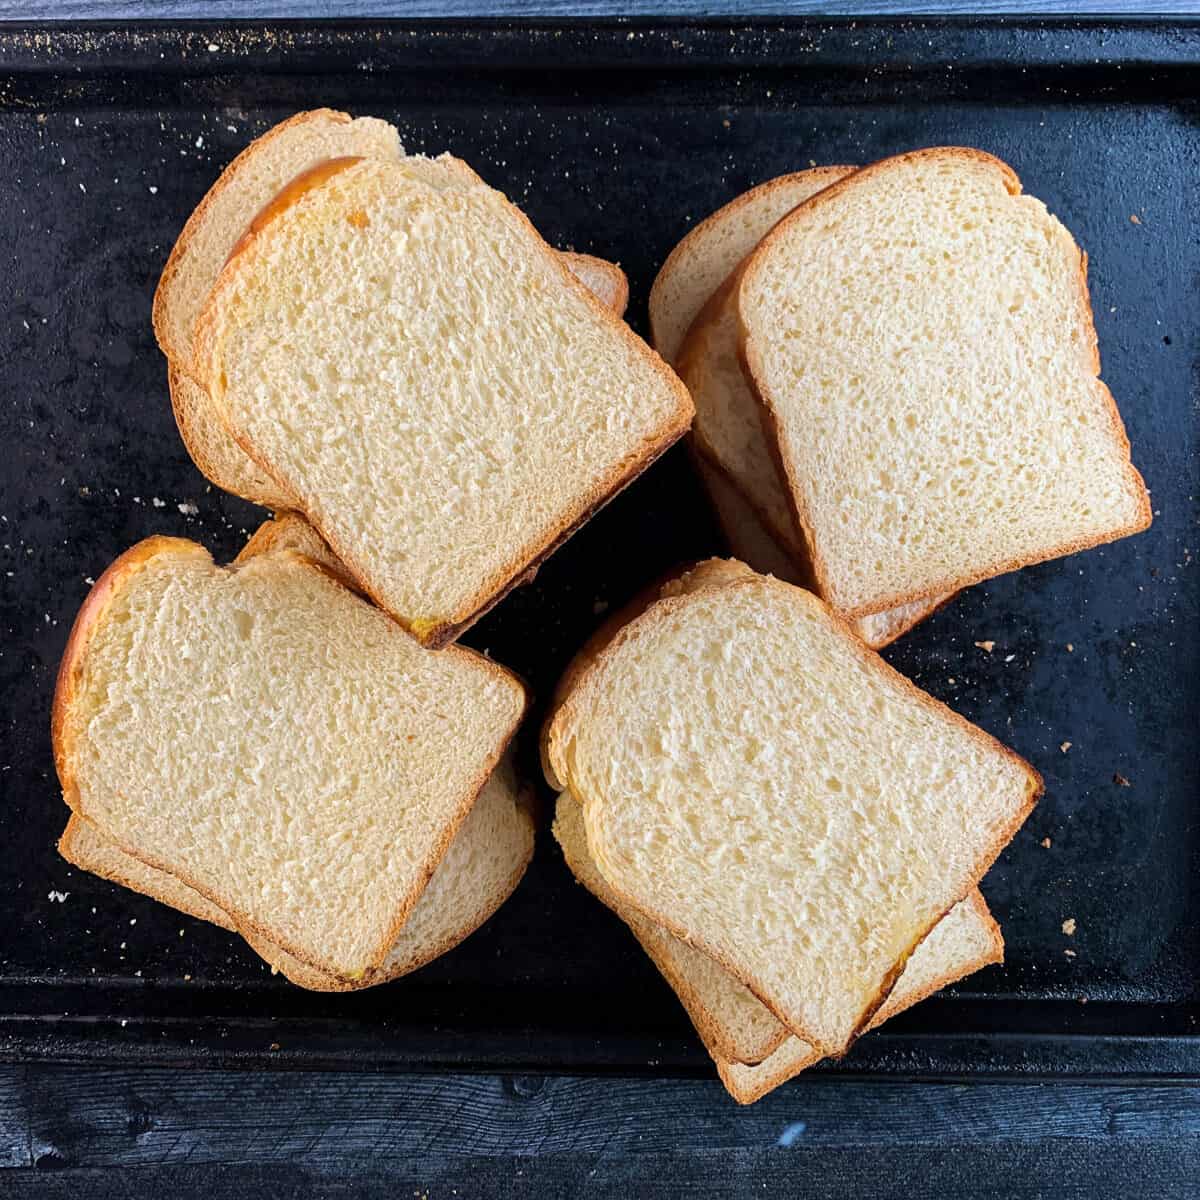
pixel 213 47
pixel 1135 218
pixel 1070 648
pixel 1046 843
pixel 153 190
pixel 1009 657
pixel 988 646
pixel 188 509
pixel 725 122
pixel 1069 954
pixel 1065 747
pixel 158 503
pixel 187 979
pixel 951 680
pixel 59 897
pixel 1068 927
pixel 599 606
pixel 1120 780
pixel 275 1046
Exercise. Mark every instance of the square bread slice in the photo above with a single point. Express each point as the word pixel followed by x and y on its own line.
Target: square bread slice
pixel 759 783
pixel 750 541
pixel 753 1052
pixel 446 399
pixel 921 335
pixel 708 253
pixel 275 743
pixel 482 867
pixel 247 185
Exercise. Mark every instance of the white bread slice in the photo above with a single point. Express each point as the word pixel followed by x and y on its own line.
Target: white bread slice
pixel 446 399
pixel 275 743
pixel 758 782
pixel 482 867
pixel 710 251
pixel 753 1052
pixel 921 335
pixel 249 183
pixel 750 541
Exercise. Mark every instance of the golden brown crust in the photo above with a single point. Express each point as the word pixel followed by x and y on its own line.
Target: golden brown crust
pixel 436 634
pixel 753 372
pixel 201 909
pixel 618 281
pixel 684 247
pixel 663 607
pixel 92 612
pixel 162 294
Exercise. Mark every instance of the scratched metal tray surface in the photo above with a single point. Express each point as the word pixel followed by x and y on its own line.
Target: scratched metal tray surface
pixel 615 139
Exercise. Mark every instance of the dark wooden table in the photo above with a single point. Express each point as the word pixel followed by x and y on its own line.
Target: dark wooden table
pixel 80 1130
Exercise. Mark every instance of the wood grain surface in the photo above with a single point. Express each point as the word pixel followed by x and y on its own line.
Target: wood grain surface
pixel 107 10
pixel 71 1131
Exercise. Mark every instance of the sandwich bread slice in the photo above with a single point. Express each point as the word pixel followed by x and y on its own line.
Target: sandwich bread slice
pixel 445 399
pixel 921 335
pixel 757 782
pixel 275 743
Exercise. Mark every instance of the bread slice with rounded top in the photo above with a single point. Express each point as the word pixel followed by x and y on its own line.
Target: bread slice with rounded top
pixel 447 401
pixel 709 252
pixel 753 1052
pixel 249 183
pixel 759 783
pixel 921 335
pixel 275 743
pixel 483 865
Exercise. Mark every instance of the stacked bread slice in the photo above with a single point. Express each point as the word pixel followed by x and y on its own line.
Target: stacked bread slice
pixel 792 830
pixel 388 347
pixel 261 746
pixel 895 377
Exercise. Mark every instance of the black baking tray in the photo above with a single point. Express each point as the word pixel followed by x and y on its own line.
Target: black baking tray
pixel 615 138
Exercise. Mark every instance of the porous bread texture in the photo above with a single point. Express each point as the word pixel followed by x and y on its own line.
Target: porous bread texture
pixel 752 1051
pixel 707 254
pixel 408 361
pixel 761 784
pixel 244 188
pixel 275 743
pixel 921 335
pixel 289 531
pixel 481 869
pixel 728 427
pixel 751 542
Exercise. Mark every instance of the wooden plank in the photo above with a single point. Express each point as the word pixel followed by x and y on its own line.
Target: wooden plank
pixel 103 10
pixel 98 1117
pixel 1064 1170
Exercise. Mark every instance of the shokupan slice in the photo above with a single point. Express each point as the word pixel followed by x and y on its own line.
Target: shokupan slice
pixel 275 743
pixel 752 1051
pixel 447 401
pixel 708 253
pixel 921 335
pixel 482 866
pixel 250 182
pixel 759 783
